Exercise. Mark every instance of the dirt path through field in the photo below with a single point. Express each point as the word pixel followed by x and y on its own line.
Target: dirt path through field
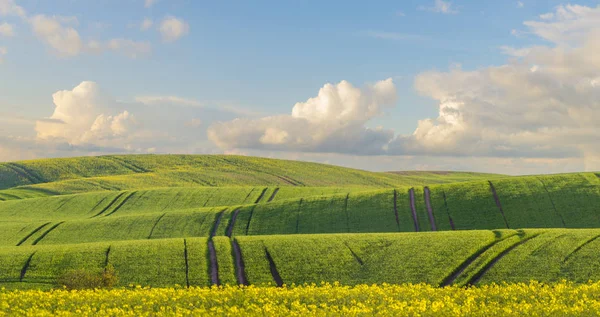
pixel 232 222
pixel 240 268
pixel 427 195
pixel 413 208
pixel 214 266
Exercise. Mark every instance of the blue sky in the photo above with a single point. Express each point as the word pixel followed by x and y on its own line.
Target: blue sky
pixel 252 60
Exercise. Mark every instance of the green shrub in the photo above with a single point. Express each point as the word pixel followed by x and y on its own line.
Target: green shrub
pixel 85 279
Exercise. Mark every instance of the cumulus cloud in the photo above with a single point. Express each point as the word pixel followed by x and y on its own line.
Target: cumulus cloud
pixel 440 6
pixel 84 115
pixel 62 38
pixel 543 104
pixel 7 30
pixel 172 28
pixel 333 121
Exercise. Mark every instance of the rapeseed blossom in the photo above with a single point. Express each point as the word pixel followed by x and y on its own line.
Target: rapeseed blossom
pixel 523 299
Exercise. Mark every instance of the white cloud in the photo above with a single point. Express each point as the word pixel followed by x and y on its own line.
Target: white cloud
pixel 146 24
pixel 520 4
pixel 65 40
pixel 149 3
pixel 542 105
pixel 7 29
pixel 172 29
pixel 84 115
pixel 9 7
pixel 333 121
pixel 440 6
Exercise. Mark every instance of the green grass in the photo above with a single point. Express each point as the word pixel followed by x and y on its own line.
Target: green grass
pixel 84 174
pixel 153 215
pixel 455 257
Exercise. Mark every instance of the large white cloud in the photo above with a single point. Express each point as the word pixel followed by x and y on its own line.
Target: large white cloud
pixel 85 115
pixel 333 121
pixel 545 103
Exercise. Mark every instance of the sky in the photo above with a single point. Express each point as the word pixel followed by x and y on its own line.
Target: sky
pixel 488 86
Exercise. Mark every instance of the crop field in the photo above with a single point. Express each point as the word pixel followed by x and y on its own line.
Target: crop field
pixel 559 299
pixel 195 222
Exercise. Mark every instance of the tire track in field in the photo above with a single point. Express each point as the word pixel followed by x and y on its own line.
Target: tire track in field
pixel 273 195
pixel 128 165
pixel 211 195
pixel 212 252
pixel 24 173
pixel 187 266
pixel 213 231
pixel 106 254
pixel 477 276
pixel 240 268
pixel 579 247
pixel 231 224
pixel 427 195
pixel 552 201
pixel 448 211
pixel 396 208
pixel 109 205
pixel 498 204
pixel 46 233
pixel 273 268
pixel 122 203
pixel 356 257
pixel 262 194
pixel 413 208
pixel 25 267
pixel 214 265
pixel 466 263
pixel 250 193
pixel 32 233
pixel 155 224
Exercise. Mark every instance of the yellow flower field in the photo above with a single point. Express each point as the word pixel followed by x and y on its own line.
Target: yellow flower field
pixel 533 299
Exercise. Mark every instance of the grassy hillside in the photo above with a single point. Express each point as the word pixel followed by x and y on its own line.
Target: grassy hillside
pixel 438 258
pixel 84 174
pixel 162 220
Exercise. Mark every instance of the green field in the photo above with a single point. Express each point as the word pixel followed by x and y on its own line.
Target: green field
pixel 164 220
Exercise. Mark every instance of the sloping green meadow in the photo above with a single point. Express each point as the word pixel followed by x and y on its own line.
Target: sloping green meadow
pixel 162 220
pixel 437 258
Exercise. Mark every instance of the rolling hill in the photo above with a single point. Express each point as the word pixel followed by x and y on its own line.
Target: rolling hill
pixel 162 220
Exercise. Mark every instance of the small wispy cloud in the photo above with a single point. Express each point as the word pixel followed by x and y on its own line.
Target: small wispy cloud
pixel 440 6
pixel 400 14
pixel 520 4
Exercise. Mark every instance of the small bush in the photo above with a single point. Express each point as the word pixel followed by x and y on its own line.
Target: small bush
pixel 84 279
